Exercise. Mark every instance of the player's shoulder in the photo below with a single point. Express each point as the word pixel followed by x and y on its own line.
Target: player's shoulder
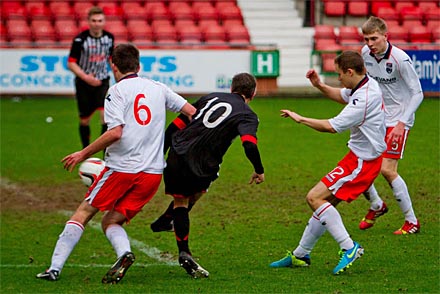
pixel 108 34
pixel 399 54
pixel 365 51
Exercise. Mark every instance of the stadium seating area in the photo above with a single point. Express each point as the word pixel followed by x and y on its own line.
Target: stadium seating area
pixel 411 25
pixel 153 23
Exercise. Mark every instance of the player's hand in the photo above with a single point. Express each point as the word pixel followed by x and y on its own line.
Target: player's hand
pixel 396 135
pixel 256 178
pixel 313 76
pixel 71 160
pixel 293 115
pixel 92 81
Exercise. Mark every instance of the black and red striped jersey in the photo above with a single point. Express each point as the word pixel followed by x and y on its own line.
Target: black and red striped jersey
pixel 92 54
pixel 219 119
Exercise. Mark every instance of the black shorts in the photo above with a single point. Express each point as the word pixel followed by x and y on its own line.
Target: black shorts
pixel 180 181
pixel 90 98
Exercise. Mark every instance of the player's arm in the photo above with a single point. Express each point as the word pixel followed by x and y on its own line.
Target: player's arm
pixel 103 141
pixel 331 92
pixel 321 125
pixel 88 78
pixel 249 143
pixel 178 123
pixel 412 81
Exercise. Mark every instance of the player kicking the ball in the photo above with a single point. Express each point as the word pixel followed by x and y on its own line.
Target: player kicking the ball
pixel 135 112
pixel 364 116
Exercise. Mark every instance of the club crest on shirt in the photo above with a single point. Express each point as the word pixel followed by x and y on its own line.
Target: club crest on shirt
pixel 389 67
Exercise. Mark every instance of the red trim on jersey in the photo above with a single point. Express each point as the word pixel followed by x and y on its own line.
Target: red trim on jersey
pixel 71 59
pixel 248 138
pixel 179 123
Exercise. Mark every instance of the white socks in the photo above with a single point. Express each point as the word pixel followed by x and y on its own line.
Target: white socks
pixel 118 238
pixel 401 193
pixel 66 242
pixel 313 231
pixel 374 198
pixel 326 217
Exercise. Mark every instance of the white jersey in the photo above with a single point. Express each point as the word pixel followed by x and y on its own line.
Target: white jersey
pixel 399 83
pixel 139 105
pixel 364 115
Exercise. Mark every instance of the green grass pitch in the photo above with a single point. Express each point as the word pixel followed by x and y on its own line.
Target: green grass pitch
pixel 236 229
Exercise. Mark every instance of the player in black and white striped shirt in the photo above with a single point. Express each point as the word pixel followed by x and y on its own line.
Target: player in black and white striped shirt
pixel 88 60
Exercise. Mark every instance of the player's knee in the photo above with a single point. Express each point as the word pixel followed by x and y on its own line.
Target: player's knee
pixel 389 174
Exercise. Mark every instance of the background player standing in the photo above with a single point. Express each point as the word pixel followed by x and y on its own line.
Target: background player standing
pixel 88 60
pixel 196 152
pixel 364 116
pixel 135 112
pixel 392 68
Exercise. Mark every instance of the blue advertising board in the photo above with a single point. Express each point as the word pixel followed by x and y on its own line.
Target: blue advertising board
pixel 427 65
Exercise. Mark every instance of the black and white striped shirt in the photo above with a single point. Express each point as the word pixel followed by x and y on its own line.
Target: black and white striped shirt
pixel 92 54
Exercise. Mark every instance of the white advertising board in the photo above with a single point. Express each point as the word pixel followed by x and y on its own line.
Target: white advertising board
pixel 36 71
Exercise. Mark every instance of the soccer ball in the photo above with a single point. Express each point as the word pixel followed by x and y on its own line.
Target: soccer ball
pixel 90 169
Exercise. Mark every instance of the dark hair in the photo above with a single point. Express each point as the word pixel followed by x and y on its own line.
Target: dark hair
pixel 126 58
pixel 95 10
pixel 244 84
pixel 350 59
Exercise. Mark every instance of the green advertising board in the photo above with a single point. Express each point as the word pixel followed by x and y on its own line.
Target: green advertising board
pixel 265 63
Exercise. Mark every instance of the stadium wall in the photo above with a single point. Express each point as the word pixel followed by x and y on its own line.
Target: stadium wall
pixel 44 71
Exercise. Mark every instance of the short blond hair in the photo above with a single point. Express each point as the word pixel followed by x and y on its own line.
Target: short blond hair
pixel 374 24
pixel 94 10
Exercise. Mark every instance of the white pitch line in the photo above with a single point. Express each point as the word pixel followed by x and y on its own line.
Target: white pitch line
pixel 81 265
pixel 152 252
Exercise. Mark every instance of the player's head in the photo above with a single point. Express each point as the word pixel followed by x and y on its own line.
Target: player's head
pixel 96 21
pixel 126 58
pixel 244 84
pixel 375 33
pixel 350 68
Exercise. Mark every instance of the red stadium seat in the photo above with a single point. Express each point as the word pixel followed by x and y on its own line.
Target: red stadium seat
pixel 133 10
pixel 349 33
pixel 19 33
pixel 376 5
pixel 324 32
pixel 165 34
pixel 436 34
pixel 112 11
pixel 43 31
pixel 433 23
pixel 328 62
pixel 156 10
pixel 237 32
pixel 397 34
pixel 411 13
pixel 420 34
pixel 388 13
pixel 409 23
pixel 39 12
pixel 189 34
pixel 399 5
pixel 432 14
pixel 334 8
pixel 180 10
pixel 426 6
pixel 213 34
pixel 204 10
pixel 117 28
pixel 66 30
pixel 229 12
pixel 139 29
pixel 207 22
pixel 61 10
pixel 81 9
pixel 327 45
pixel 358 8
